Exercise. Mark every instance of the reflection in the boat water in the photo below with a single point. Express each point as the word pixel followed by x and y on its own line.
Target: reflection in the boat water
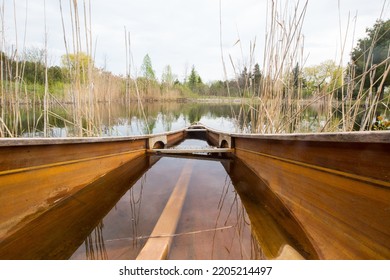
pixel 272 223
pixel 95 248
pixel 240 224
pixel 212 225
pixel 228 214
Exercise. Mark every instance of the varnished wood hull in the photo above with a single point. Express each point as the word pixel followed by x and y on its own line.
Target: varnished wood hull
pixel 36 174
pixel 63 227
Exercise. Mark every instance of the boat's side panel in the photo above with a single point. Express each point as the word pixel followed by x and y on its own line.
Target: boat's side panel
pixel 175 138
pixel 58 232
pixel 37 173
pixel 27 156
pixel 338 192
pixel 361 158
pixel 213 138
pixel 25 194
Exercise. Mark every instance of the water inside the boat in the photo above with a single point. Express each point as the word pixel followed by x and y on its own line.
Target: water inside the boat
pixel 227 213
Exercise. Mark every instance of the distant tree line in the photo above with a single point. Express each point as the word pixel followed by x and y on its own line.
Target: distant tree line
pixel 30 71
pixel 369 68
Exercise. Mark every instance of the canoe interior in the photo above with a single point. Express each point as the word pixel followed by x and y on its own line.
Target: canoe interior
pixel 334 188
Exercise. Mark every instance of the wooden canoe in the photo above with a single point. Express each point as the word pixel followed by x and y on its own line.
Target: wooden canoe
pixel 334 186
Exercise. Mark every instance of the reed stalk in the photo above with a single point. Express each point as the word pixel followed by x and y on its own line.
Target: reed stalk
pixel 276 107
pixel 3 126
pixel 46 96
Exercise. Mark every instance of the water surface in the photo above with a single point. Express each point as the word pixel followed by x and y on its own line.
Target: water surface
pixel 213 223
pixel 118 119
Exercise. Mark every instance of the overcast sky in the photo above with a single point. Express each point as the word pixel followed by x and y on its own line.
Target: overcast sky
pixel 185 33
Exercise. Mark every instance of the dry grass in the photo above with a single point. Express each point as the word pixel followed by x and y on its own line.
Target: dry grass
pixel 278 108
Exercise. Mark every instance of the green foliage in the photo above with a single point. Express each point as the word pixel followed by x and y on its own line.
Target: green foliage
pixel 326 76
pixel 218 88
pixel 147 69
pixel 248 83
pixel 168 79
pixel 77 65
pixel 256 79
pixel 373 50
pixel 243 79
pixel 381 124
pixel 30 71
pixel 195 82
pixel 194 79
pixel 55 75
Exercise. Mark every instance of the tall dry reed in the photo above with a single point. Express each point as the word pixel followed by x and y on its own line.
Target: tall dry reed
pixel 278 106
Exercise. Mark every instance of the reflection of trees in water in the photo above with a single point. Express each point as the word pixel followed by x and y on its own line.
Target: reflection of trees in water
pixel 110 116
pixel 247 118
pixel 241 224
pixel 95 248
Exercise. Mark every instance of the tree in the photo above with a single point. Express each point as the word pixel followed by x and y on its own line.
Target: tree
pixel 32 68
pixel 256 78
pixel 369 55
pixel 194 81
pixel 218 88
pixel 243 79
pixel 77 64
pixel 296 76
pixel 325 76
pixel 167 77
pixel 147 69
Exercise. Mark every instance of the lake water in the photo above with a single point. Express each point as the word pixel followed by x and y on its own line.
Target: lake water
pixel 122 120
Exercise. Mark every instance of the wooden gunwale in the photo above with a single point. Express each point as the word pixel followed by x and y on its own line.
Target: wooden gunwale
pixel 56 164
pixel 80 140
pixel 17 154
pixel 362 155
pixel 380 183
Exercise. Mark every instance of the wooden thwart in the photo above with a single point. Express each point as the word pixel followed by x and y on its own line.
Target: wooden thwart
pixel 157 248
pixel 191 151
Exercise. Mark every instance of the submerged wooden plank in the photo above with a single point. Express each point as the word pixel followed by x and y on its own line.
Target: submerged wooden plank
pixel 196 129
pixel 157 247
